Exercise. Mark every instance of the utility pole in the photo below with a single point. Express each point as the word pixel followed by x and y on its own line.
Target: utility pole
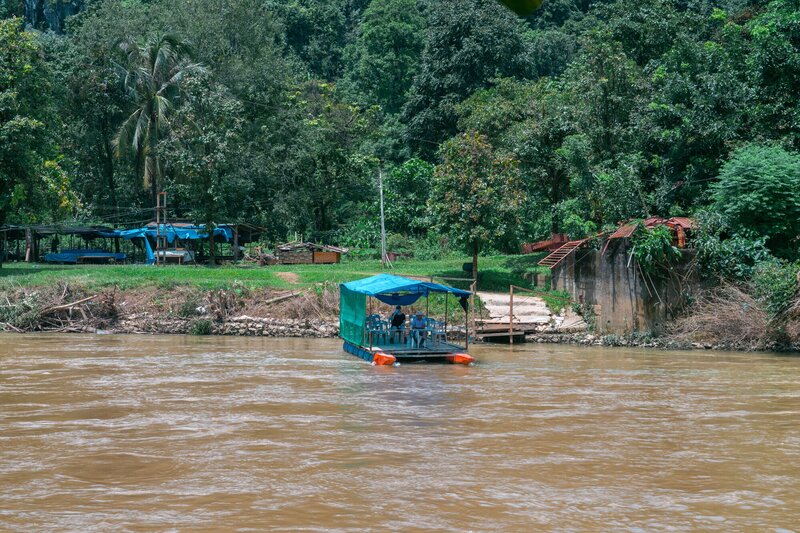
pixel 161 227
pixel 384 256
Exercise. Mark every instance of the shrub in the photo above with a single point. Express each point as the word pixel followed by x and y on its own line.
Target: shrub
pixel 722 254
pixel 432 246
pixel 201 327
pixel 653 249
pixel 188 307
pixel 759 191
pixel 775 285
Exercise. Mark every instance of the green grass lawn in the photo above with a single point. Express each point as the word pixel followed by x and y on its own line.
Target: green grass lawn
pixel 496 273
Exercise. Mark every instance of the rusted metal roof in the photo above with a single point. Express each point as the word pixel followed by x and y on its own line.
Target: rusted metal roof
pixel 684 222
pixel 555 242
pixel 623 232
pixel 626 230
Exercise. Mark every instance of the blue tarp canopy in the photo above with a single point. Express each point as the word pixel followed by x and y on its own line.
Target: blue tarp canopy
pixel 182 232
pixel 392 290
pixel 397 290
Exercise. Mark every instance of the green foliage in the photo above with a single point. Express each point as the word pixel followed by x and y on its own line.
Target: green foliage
pixel 201 326
pixel 34 186
pixel 362 237
pixel 775 283
pixel 315 32
pixel 432 246
pixel 723 255
pixel 188 308
pixel 653 249
pixel 406 190
pixel 587 312
pixel 468 44
pixel 386 53
pixel 325 175
pixel 476 194
pixel 152 72
pixel 609 109
pixel 759 191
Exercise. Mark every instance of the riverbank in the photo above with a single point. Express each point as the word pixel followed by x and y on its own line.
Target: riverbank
pixel 286 301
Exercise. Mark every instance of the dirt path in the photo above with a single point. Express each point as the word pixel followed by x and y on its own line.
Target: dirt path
pixel 291 277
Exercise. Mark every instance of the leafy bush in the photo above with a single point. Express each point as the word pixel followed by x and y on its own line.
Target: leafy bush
pixel 362 237
pixel 432 247
pixel 201 327
pixel 569 214
pixel 759 191
pixel 653 249
pixel 775 285
pixel 399 244
pixel 722 255
pixel 188 307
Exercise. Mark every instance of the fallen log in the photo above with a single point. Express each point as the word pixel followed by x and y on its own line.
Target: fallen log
pixel 67 306
pixel 282 298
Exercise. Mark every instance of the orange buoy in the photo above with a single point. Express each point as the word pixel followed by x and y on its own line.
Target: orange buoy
pixel 383 359
pixel 461 359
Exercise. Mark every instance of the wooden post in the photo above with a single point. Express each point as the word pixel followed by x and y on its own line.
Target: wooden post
pixel 28 245
pixel 472 289
pixel 236 242
pixel 511 316
pixel 447 299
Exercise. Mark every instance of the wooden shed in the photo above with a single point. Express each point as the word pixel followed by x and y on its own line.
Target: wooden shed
pixel 307 253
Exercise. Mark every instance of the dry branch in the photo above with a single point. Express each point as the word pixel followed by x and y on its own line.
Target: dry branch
pixel 67 306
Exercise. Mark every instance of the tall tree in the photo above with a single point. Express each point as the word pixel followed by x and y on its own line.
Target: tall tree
pixel 33 185
pixel 323 173
pixel 316 32
pixel 152 74
pixel 204 151
pixel 386 53
pixel 476 194
pixel 468 44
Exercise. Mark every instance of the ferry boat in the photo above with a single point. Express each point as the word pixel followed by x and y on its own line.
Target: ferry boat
pixel 369 335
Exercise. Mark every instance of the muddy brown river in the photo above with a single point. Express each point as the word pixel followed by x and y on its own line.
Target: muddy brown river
pixel 144 433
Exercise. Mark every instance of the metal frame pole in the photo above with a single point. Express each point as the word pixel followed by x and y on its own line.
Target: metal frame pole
pixel 511 316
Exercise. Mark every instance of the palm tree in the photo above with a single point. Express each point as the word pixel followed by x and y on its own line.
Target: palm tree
pixel 152 73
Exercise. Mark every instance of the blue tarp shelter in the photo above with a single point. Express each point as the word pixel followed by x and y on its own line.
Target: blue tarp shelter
pixel 389 289
pixel 78 255
pixel 182 232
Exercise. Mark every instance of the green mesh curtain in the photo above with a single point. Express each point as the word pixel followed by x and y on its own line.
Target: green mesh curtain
pixel 352 315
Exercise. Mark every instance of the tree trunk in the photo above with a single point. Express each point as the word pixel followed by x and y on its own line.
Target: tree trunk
pixel 474 260
pixel 108 162
pixel 212 251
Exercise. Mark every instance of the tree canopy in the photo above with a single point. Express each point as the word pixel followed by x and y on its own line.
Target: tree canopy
pixel 609 109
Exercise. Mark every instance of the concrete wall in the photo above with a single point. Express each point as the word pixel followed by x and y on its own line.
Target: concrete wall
pixel 624 300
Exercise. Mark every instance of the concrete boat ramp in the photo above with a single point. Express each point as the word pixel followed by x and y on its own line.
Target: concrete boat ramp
pixel 531 315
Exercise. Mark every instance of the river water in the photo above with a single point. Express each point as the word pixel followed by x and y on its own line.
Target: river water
pixel 146 433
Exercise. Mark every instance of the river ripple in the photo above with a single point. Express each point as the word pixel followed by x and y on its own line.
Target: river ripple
pixel 185 433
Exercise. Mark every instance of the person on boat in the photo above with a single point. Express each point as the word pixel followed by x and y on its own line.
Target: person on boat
pixel 397 323
pixel 418 331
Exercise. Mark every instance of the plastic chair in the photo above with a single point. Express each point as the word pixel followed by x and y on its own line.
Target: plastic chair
pixel 436 331
pixel 380 330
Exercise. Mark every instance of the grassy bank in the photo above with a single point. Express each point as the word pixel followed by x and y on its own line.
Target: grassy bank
pixel 497 273
pixel 40 297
